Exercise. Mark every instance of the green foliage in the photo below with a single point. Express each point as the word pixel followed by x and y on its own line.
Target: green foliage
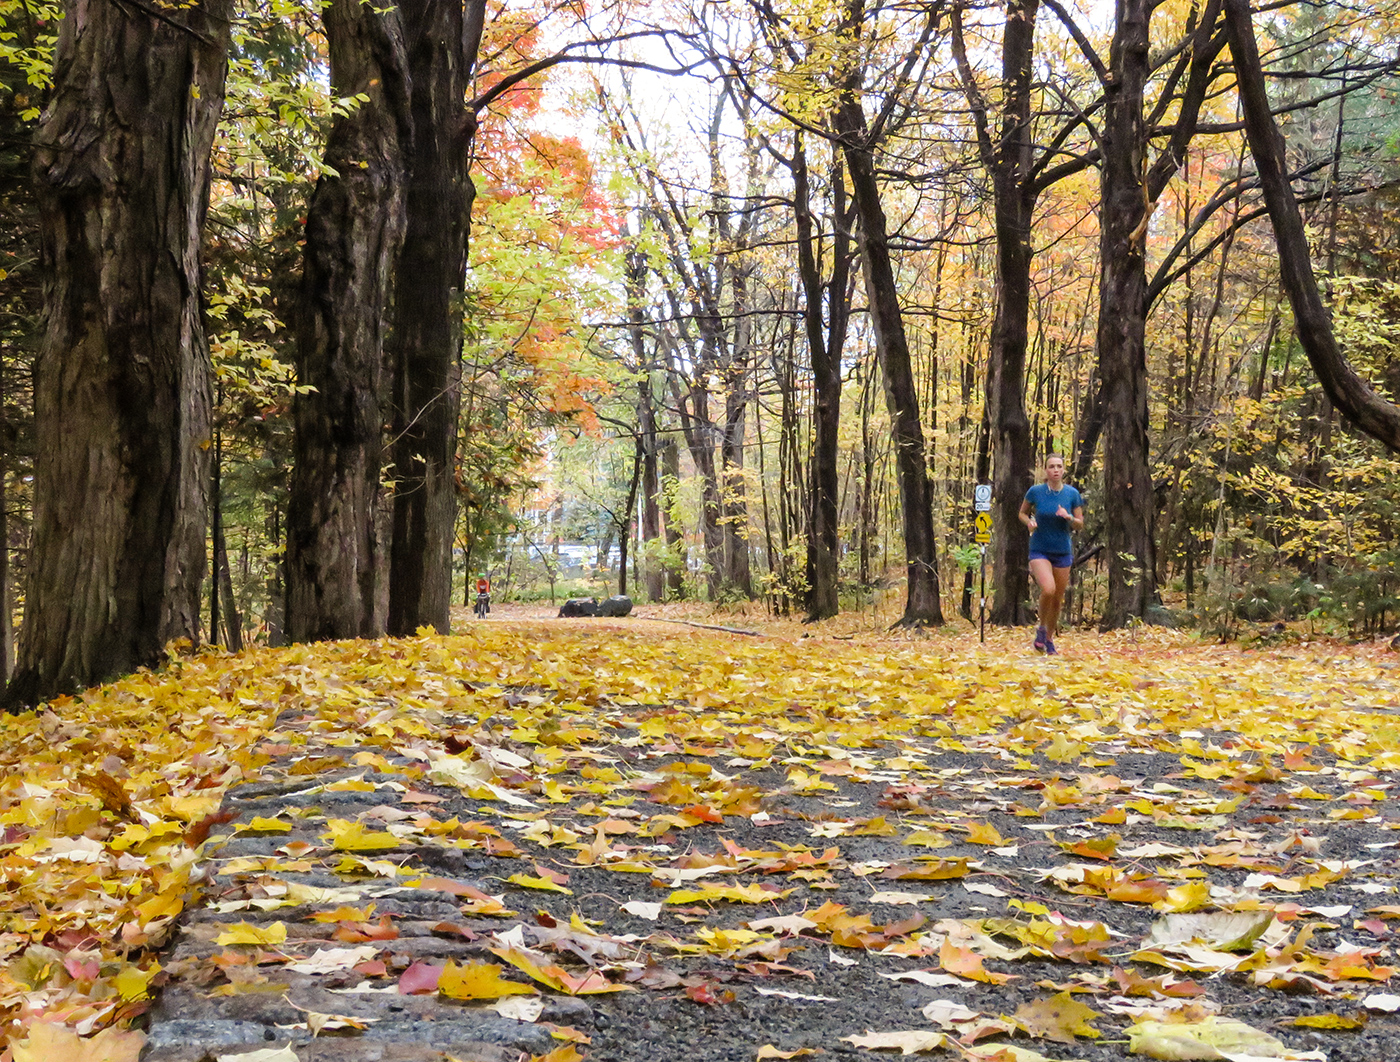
pixel 28 35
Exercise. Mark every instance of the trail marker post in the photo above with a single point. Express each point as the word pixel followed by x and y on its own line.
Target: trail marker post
pixel 982 506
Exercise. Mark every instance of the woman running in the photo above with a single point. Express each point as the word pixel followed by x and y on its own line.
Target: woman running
pixel 1051 510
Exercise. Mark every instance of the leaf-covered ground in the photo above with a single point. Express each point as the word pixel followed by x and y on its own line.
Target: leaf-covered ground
pixel 737 847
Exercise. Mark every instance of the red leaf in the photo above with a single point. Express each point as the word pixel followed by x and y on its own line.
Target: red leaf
pixel 705 993
pixel 703 812
pixel 419 979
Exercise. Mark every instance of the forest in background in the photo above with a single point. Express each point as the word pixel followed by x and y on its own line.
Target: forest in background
pixel 761 340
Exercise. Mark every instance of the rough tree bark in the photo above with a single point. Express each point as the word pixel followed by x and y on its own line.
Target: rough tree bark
pixel 1009 161
pixel 354 229
pixel 1352 395
pixel 1122 323
pixel 122 383
pixel 1129 189
pixel 922 606
pixel 427 340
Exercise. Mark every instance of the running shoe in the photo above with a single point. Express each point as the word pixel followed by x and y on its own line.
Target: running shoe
pixel 1041 639
pixel 1050 649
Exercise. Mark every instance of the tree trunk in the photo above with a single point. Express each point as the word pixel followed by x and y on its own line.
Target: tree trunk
pixel 1352 395
pixel 738 577
pixel 427 341
pixel 922 605
pixel 1122 325
pixel 122 383
pixel 6 613
pixel 354 229
pixel 675 542
pixel 654 573
pixel 825 341
pixel 1009 161
pixel 624 521
pixel 223 575
pixel 699 430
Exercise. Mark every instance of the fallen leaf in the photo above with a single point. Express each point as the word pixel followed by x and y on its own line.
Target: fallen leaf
pixel 1060 1018
pixel 519 1008
pixel 911 1042
pixel 1212 1038
pixel 478 980
pixel 54 1043
pixel 246 933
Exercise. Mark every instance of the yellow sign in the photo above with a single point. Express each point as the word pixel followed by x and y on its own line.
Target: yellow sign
pixel 983 527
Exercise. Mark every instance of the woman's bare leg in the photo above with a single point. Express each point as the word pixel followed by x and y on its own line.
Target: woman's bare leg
pixel 1051 604
pixel 1044 576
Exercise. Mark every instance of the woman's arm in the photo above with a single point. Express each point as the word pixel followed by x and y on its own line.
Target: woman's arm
pixel 1027 516
pixel 1077 519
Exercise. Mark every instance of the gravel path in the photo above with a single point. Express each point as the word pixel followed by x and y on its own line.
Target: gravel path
pixel 705 984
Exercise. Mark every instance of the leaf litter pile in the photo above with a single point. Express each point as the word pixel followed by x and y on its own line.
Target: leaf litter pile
pixel 730 848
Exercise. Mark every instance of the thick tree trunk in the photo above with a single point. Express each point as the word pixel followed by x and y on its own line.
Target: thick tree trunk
pixel 354 229
pixel 1009 161
pixel 1352 395
pixel 922 605
pixel 122 384
pixel 427 341
pixel 1121 337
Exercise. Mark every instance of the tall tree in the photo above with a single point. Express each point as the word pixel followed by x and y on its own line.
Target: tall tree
pixel 443 43
pixel 858 142
pixel 1009 160
pixel 122 388
pixel 826 320
pixel 354 230
pixel 1130 183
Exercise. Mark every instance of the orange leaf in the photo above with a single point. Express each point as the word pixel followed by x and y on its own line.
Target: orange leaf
pixel 965 962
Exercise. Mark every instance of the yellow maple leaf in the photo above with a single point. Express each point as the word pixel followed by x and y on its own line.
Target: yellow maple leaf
pixel 928 839
pixel 245 933
pixel 562 1053
pixel 162 905
pixel 54 1043
pixel 1060 1018
pixel 1186 898
pixel 346 913
pixel 533 881
pixel 1331 1021
pixel 346 836
pixel 558 978
pixel 728 893
pixel 479 980
pixel 133 983
pixel 263 824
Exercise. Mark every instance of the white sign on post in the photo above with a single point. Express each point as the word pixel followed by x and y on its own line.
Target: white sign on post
pixel 982 497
